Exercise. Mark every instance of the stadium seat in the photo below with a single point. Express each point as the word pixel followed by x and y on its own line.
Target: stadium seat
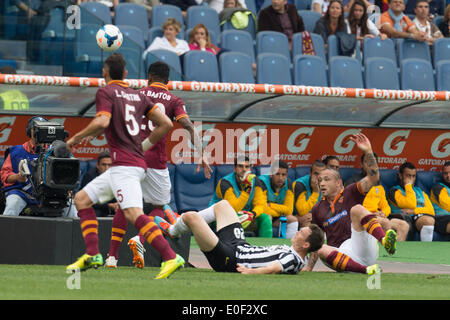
pixel 251 27
pixel 441 50
pixel 98 10
pixel 416 74
pixel 153 33
pixel 192 189
pixel 347 173
pixel 381 73
pixel 251 5
pixel 132 14
pixel 134 34
pixel 443 75
pixel 172 169
pixel 345 72
pixel 310 71
pixel 425 180
pixel 309 18
pixel 272 42
pixel 133 56
pixel 302 171
pixel 375 47
pixel 303 4
pixel 221 171
pixel 7 62
pixel 200 66
pixel 265 4
pixel 236 67
pixel 333 49
pixel 212 36
pixel 407 49
pixel 317 41
pixel 169 57
pixel 88 56
pixel 273 68
pixel 161 13
pixel 205 15
pixel 388 178
pixel 237 40
pixel 10 18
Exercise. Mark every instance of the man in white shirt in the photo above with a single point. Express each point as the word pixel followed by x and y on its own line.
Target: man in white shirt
pixel 422 11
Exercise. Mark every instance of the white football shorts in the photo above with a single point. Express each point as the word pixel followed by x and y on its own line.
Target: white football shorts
pixel 156 186
pixel 361 247
pixel 122 183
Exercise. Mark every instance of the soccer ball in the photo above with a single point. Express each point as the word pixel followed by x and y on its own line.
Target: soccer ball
pixel 109 37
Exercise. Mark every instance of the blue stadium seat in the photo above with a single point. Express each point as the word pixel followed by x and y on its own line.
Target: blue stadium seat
pixel 88 56
pixel 381 73
pixel 310 71
pixel 251 5
pixel 212 36
pixel 153 33
pixel 333 49
pixel 272 42
pixel 169 57
pixel 347 173
pixel 10 19
pixel 132 14
pixel 132 33
pixel 251 27
pixel 200 66
pixel 309 18
pixel 161 13
pixel 273 68
pixel 172 169
pixel 345 72
pixel 303 4
pixel 441 50
pixel 425 180
pixel 237 40
pixel 443 75
pixel 375 47
pixel 221 171
pixel 407 49
pixel 84 165
pixel 265 4
pixel 133 56
pixel 302 171
pixel 192 189
pixel 7 62
pixel 388 178
pixel 98 10
pixel 317 41
pixel 416 74
pixel 265 169
pixel 205 15
pixel 236 67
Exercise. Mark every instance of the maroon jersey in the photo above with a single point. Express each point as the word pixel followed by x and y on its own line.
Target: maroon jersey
pixel 173 107
pixel 334 218
pixel 126 108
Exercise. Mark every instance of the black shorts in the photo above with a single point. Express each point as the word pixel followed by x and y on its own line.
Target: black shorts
pixel 441 222
pixel 223 257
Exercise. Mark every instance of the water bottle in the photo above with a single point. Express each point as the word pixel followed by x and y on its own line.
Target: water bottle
pixel 282 228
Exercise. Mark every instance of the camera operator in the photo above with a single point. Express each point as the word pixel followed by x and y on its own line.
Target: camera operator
pixel 15 176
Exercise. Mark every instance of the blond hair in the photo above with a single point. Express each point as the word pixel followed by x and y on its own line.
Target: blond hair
pixel 172 22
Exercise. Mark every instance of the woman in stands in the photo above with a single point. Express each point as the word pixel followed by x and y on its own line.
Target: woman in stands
pixel 444 26
pixel 333 21
pixel 169 40
pixel 199 39
pixel 359 24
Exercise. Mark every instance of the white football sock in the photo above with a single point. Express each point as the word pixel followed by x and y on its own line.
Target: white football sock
pixel 208 214
pixel 426 234
pixel 291 229
pixel 179 228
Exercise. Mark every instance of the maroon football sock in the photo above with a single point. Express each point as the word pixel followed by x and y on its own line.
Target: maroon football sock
pixel 373 227
pixel 89 229
pixel 341 262
pixel 119 228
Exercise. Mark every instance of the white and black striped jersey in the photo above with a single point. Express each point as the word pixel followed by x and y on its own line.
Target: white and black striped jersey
pixel 256 257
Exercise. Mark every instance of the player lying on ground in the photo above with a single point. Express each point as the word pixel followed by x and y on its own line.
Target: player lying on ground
pixel 227 250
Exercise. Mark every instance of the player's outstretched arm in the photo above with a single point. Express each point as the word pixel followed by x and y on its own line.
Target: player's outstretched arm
pixel 162 127
pixel 373 175
pixel 94 128
pixel 274 267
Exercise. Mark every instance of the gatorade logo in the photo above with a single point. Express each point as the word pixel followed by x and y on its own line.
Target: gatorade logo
pixel 343 143
pixel 299 140
pixel 6 124
pixel 440 148
pixel 395 142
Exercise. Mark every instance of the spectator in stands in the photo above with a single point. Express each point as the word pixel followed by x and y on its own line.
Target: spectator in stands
pixel 349 4
pixel 111 4
pixel 437 8
pixel 15 178
pixel 244 192
pixel 103 163
pixel 440 197
pixel 199 39
pixel 219 5
pixel 444 26
pixel 281 17
pixel 184 4
pixel 422 24
pixel 307 194
pixel 169 41
pixel 332 162
pixel 320 6
pixel 411 203
pixel 359 24
pixel 333 21
pixel 28 9
pixel 397 25
pixel 376 202
pixel 277 188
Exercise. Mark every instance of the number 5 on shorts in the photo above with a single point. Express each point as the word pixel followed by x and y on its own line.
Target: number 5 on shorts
pixel 119 196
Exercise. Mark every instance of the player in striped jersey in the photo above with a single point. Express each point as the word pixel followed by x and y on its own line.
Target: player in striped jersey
pixel 227 250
